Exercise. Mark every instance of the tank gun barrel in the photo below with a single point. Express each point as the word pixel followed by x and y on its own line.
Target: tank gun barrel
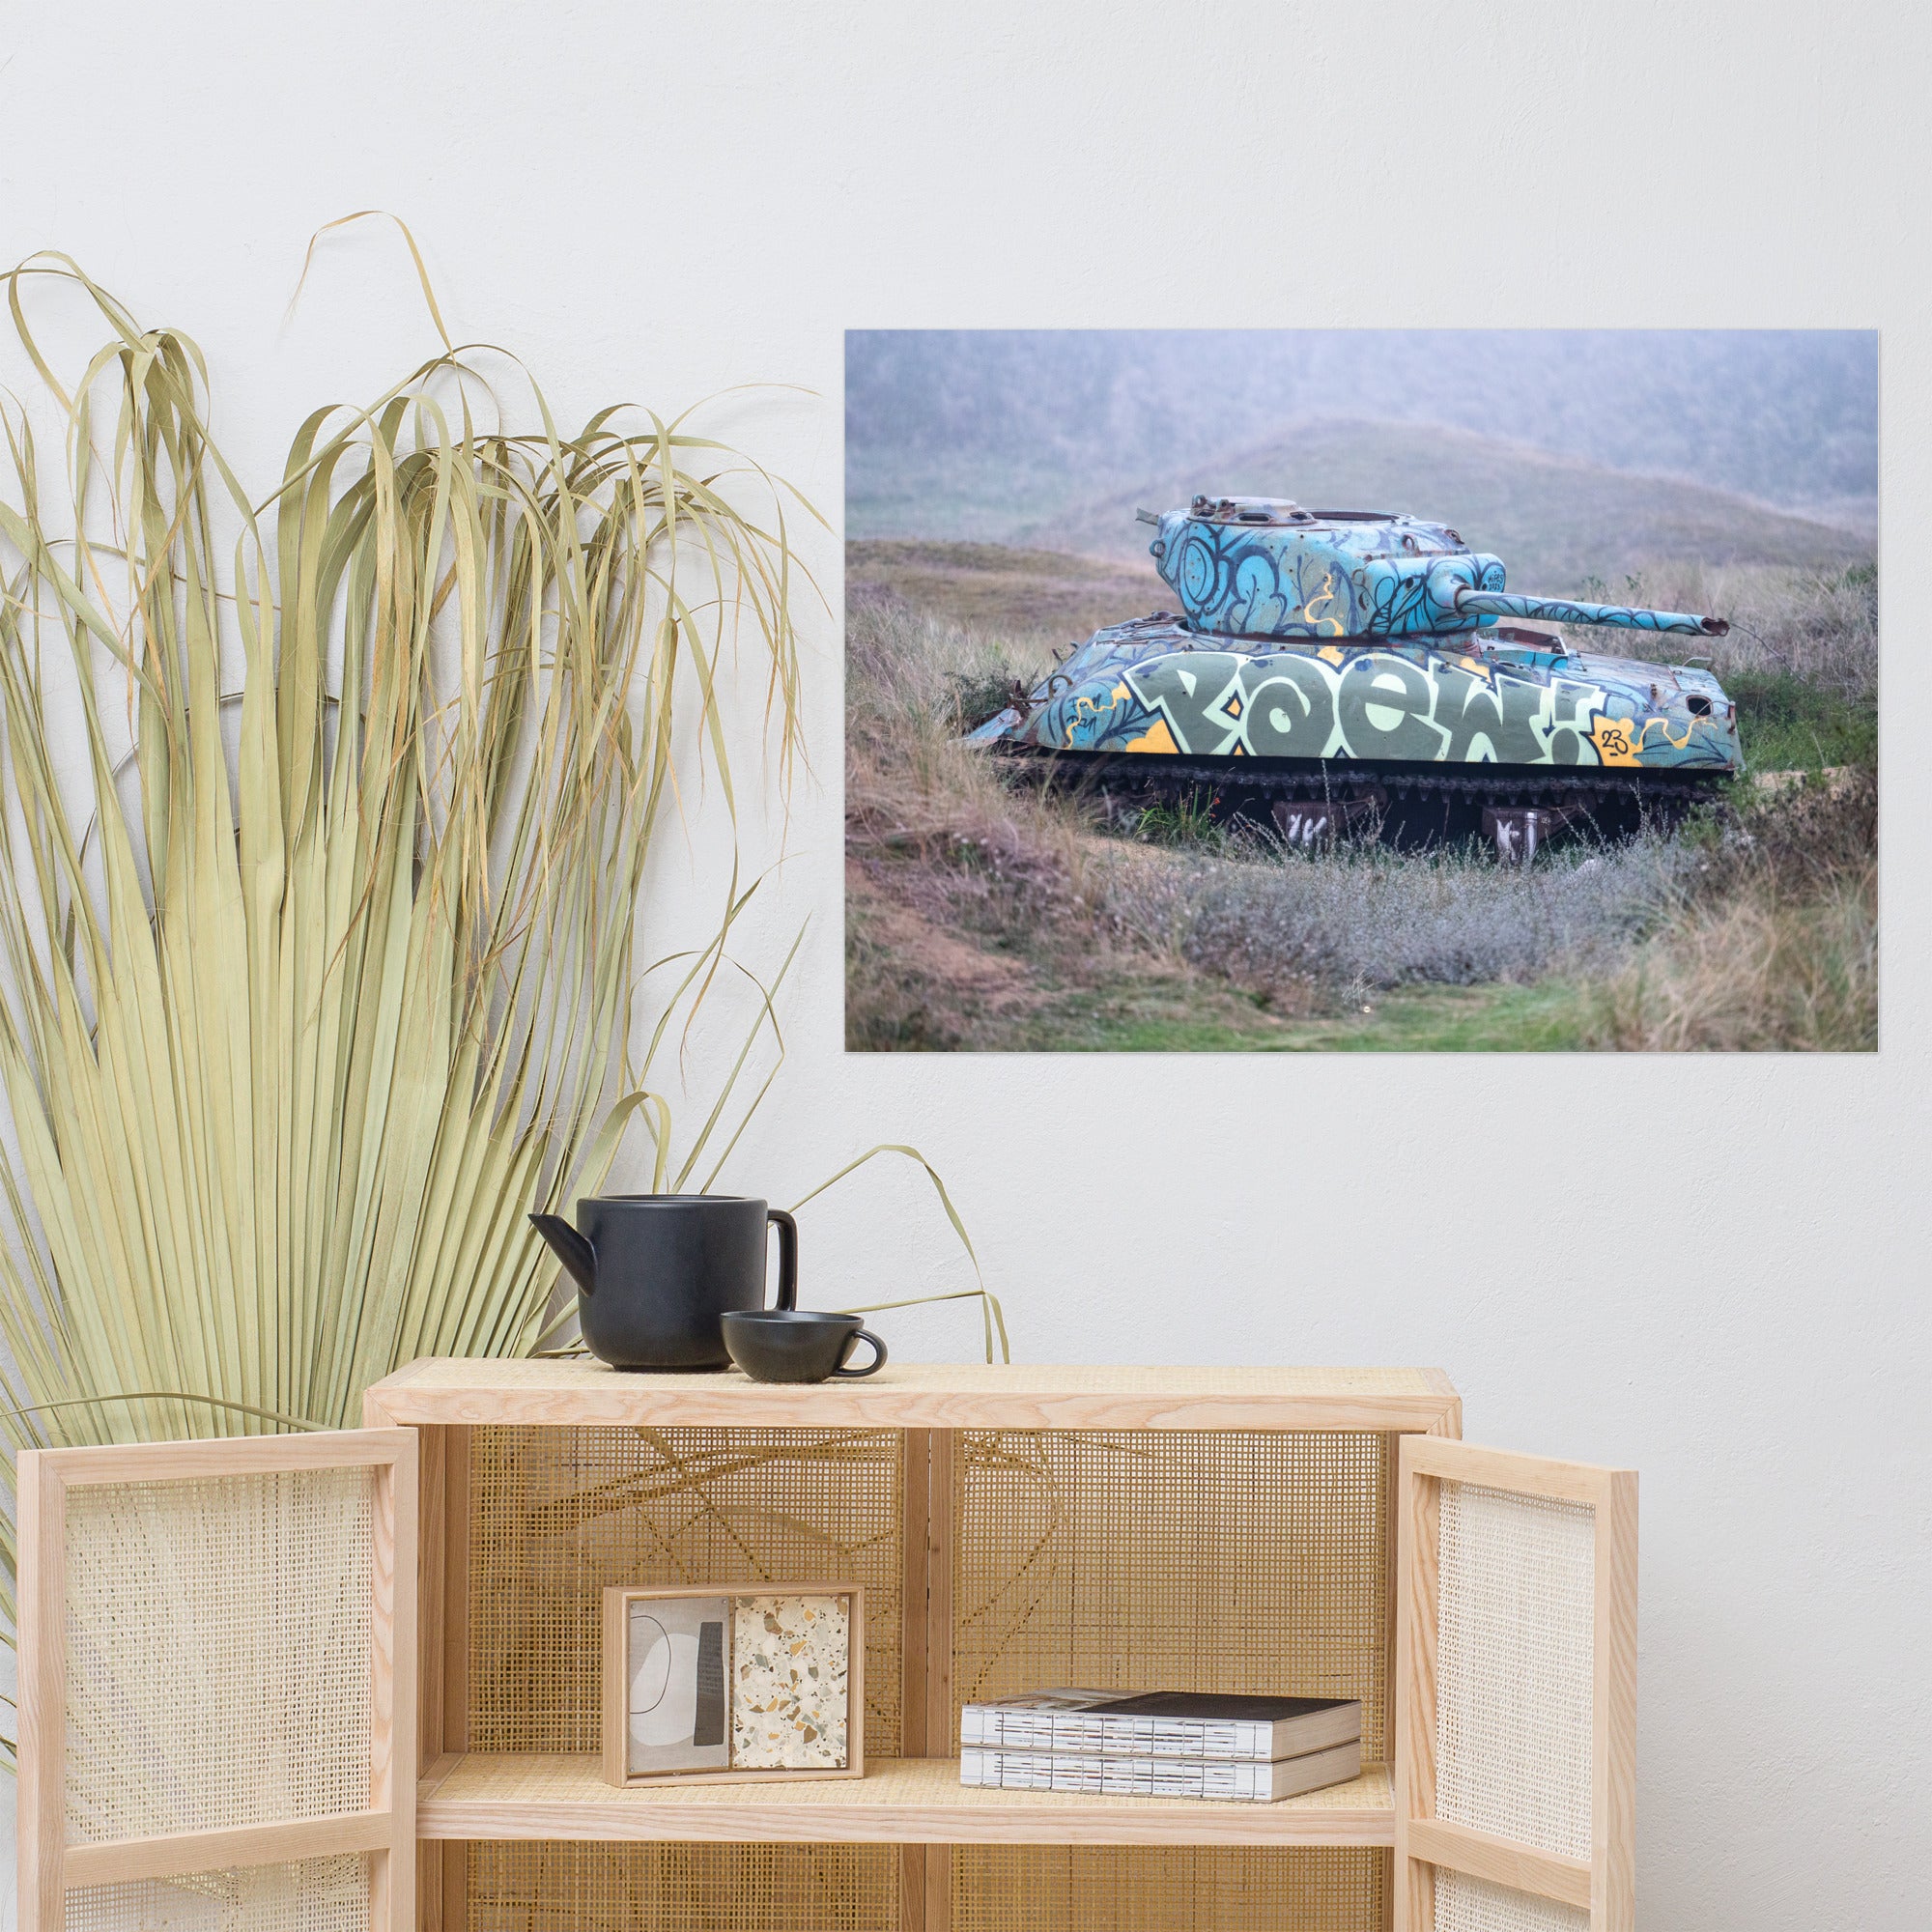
pixel 1473 603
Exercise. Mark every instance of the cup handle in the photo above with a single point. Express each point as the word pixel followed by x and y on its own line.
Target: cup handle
pixel 872 1367
pixel 788 1257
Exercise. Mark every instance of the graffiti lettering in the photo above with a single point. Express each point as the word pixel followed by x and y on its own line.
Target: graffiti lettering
pixel 1291 710
pixel 1190 691
pixel 1383 708
pixel 1381 703
pixel 1494 722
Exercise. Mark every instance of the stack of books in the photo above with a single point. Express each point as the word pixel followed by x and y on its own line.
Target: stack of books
pixel 1164 1744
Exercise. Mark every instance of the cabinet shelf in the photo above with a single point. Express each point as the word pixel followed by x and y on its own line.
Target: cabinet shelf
pixel 918 1395
pixel 899 1802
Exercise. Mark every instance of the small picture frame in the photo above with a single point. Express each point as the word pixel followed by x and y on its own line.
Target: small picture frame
pixel 745 1683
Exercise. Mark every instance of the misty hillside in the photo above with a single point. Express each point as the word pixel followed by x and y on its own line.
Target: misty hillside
pixel 987 417
pixel 1552 520
pixel 1034 596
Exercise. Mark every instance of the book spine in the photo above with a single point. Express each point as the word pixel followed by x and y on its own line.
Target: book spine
pixel 1115 1777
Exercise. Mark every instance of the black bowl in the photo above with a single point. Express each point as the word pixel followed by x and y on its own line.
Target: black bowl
pixel 795 1344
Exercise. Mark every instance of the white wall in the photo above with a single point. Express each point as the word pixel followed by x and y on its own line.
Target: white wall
pixel 1712 1269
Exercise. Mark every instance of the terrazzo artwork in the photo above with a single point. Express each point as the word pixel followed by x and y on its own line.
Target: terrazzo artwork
pixel 790 1664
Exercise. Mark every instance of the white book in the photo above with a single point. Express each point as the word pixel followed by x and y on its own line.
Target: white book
pixel 1230 1781
pixel 1162 1723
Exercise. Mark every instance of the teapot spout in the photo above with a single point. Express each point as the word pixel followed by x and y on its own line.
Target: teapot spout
pixel 570 1248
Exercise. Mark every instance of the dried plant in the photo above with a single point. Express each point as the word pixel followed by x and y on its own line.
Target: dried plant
pixel 319 970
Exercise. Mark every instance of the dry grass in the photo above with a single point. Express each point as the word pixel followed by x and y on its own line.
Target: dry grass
pixel 1777 949
pixel 1818 626
pixel 1032 596
pixel 1364 917
pixel 1005 861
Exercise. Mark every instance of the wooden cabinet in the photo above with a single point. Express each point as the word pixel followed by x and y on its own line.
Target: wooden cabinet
pixel 1208 1528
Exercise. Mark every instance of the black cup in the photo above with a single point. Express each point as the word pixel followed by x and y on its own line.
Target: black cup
pixel 791 1345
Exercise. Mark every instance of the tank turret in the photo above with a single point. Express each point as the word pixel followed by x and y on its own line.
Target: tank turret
pixel 1265 567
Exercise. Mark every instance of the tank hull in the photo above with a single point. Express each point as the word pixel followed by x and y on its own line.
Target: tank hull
pixel 1153 689
pixel 1423 737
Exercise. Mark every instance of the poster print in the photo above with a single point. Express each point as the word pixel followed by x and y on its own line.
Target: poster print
pixel 1288 690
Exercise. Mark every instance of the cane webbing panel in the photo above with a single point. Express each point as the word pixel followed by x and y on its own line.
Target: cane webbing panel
pixel 538 1887
pixel 1514 1666
pixel 1464 1904
pixel 313 1895
pixel 1138 1889
pixel 1240 1561
pixel 217 1652
pixel 558 1514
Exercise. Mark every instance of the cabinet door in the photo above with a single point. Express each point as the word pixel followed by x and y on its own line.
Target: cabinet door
pixel 1516 1693
pixel 217 1690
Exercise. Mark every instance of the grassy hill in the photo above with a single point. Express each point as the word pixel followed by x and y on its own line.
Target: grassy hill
pixel 1031 596
pixel 1554 521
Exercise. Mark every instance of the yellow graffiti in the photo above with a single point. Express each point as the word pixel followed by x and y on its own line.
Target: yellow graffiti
pixel 1620 741
pixel 1325 595
pixel 1664 725
pixel 1332 654
pixel 1156 738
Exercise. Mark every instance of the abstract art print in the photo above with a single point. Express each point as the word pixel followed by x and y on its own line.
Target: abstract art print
pixel 676 1705
pixel 1267 691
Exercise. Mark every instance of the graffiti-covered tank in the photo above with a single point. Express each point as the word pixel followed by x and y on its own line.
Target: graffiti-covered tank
pixel 1333 664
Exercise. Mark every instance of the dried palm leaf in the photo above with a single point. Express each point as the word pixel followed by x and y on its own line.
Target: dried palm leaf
pixel 320 971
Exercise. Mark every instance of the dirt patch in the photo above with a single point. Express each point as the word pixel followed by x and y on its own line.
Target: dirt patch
pixel 913 983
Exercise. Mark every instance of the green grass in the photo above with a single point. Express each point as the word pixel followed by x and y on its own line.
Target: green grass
pixel 1186 821
pixel 1547 1017
pixel 1789 724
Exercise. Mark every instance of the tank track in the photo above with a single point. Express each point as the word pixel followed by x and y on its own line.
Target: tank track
pixel 1496 784
pixel 1399 804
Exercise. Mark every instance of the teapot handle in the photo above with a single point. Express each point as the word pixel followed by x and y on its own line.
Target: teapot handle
pixel 788 1257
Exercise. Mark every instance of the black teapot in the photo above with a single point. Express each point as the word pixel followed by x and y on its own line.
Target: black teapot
pixel 655 1272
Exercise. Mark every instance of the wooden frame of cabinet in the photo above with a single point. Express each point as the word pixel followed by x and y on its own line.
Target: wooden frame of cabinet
pixel 1603 1884
pixel 51 1865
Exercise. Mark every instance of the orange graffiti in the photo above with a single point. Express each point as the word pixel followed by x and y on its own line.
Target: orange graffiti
pixel 1613 740
pixel 1620 741
pixel 1156 738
